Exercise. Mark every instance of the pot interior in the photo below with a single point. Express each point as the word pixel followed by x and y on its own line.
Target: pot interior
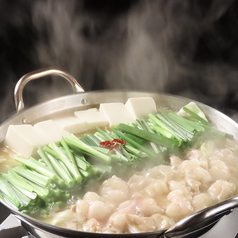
pixel 64 106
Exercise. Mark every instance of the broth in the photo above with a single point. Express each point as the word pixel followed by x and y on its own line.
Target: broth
pixel 7 158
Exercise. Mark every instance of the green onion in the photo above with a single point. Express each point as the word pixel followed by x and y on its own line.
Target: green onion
pixel 73 141
pixel 157 139
pixel 33 164
pixel 134 143
pixel 196 116
pixel 60 169
pixel 33 176
pixel 74 170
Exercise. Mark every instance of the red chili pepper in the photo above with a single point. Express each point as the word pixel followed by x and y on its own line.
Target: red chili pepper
pixel 105 143
pixel 119 141
pixel 112 144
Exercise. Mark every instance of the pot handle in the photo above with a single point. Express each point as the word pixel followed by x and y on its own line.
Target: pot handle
pixel 39 74
pixel 201 219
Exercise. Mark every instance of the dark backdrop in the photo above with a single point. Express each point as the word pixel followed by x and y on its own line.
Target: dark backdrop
pixel 183 47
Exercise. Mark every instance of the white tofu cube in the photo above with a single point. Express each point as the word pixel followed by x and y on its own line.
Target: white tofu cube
pixel 141 107
pixel 24 139
pixel 116 113
pixel 72 124
pixel 51 130
pixel 93 117
pixel 194 108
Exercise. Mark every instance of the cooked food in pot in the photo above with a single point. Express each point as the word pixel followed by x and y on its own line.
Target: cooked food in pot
pixel 119 168
pixel 156 198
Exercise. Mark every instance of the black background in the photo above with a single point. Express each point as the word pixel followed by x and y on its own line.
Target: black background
pixel 183 47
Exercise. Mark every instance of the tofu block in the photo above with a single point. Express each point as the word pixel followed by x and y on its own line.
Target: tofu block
pixel 93 117
pixel 51 130
pixel 24 139
pixel 116 113
pixel 72 124
pixel 194 108
pixel 141 107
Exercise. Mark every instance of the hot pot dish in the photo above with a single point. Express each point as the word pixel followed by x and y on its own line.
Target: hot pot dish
pixel 117 163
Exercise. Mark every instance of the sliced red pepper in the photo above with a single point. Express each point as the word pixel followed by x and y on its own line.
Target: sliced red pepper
pixel 112 144
pixel 105 143
pixel 119 141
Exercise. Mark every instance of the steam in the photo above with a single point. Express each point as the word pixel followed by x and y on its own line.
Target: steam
pixel 181 47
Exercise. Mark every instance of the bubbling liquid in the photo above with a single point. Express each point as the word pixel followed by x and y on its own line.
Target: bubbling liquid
pixel 156 198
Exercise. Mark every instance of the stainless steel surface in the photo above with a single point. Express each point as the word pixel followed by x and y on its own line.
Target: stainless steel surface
pixel 79 101
pixel 202 218
pixel 226 227
pixel 39 74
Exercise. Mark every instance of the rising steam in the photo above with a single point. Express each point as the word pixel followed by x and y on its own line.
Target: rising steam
pixel 182 47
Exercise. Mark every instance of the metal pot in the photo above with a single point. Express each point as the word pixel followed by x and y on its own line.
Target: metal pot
pixel 192 226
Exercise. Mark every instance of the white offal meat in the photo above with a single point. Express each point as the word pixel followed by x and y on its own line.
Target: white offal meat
pixel 155 198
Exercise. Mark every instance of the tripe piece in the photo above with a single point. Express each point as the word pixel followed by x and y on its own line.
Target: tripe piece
pixel 93 117
pixel 72 124
pixel 24 139
pixel 116 113
pixel 141 107
pixel 51 130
